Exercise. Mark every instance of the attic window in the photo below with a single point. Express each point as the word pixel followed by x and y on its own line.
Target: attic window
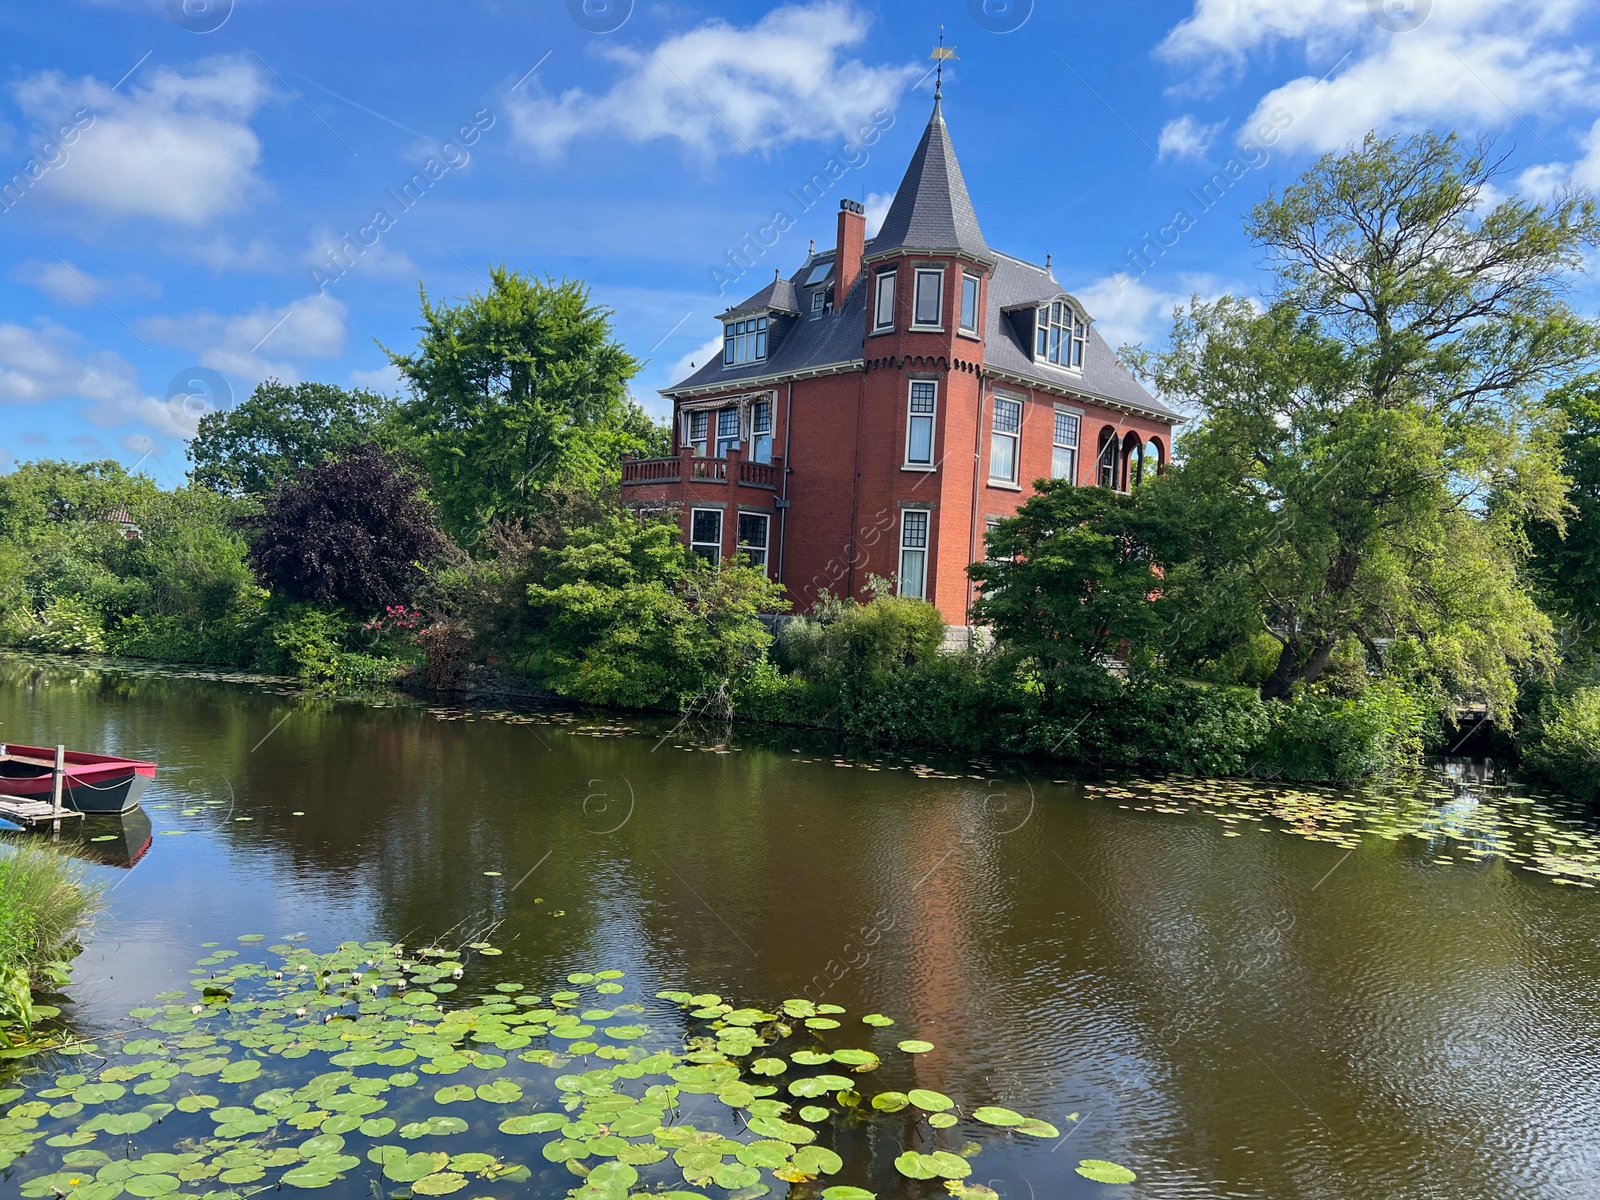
pixel 744 341
pixel 819 301
pixel 1061 334
pixel 820 273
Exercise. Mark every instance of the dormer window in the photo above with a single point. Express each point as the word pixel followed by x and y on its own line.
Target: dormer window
pixel 819 302
pixel 744 341
pixel 1061 334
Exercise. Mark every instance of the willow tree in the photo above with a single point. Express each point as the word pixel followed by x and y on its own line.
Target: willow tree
pixel 1374 439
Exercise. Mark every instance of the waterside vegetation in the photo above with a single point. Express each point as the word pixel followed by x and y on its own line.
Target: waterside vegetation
pixel 1380 525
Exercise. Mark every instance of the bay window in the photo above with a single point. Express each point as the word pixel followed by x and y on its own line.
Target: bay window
pixel 919 423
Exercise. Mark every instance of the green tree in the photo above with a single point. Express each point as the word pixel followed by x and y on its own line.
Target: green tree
pixel 281 428
pixel 1373 442
pixel 1069 581
pixel 515 390
pixel 1567 553
pixel 626 615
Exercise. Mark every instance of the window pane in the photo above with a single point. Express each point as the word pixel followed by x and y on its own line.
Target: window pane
pixel 1007 415
pixel 922 397
pixel 1043 335
pixel 761 448
pixel 705 526
pixel 928 298
pixel 914 529
pixel 727 422
pixel 919 441
pixel 969 303
pixel 885 315
pixel 761 417
pixel 1055 344
pixel 913 572
pixel 1066 430
pixel 1002 457
pixel 753 531
pixel 1064 464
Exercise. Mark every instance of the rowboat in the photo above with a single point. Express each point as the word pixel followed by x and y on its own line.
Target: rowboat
pixel 93 783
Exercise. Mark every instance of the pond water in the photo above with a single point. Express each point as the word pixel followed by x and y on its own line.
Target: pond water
pixel 1234 990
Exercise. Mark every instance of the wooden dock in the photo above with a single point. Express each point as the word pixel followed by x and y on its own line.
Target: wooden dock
pixel 32 812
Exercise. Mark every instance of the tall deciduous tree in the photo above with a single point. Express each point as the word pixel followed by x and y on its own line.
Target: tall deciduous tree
pixel 514 390
pixel 1373 442
pixel 352 530
pixel 281 428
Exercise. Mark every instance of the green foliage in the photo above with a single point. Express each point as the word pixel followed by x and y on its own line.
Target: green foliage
pixel 626 615
pixel 1070 581
pixel 1566 551
pixel 43 904
pixel 1319 736
pixel 847 649
pixel 1372 443
pixel 515 390
pixel 1562 742
pixel 280 430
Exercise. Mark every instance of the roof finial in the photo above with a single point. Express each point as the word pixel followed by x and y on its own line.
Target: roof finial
pixel 1047 257
pixel 941 52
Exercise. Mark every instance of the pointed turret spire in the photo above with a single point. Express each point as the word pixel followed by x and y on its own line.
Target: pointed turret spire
pixel 932 210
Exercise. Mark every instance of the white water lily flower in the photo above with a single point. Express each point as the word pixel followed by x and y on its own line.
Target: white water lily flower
pixel 198 1008
pixel 299 1012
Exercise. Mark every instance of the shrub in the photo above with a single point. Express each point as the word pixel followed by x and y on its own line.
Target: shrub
pixel 1318 736
pixel 43 903
pixel 1562 742
pixel 67 625
pixel 850 651
pixel 937 701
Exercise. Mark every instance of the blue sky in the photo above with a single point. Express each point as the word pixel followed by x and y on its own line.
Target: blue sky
pixel 183 172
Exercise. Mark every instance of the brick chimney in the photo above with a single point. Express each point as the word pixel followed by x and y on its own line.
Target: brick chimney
pixel 851 246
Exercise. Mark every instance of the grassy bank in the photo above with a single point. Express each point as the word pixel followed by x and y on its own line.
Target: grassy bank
pixel 44 904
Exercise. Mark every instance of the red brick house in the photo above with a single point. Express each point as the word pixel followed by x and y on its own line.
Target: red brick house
pixel 875 412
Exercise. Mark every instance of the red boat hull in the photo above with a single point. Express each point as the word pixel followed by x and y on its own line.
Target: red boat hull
pixel 94 783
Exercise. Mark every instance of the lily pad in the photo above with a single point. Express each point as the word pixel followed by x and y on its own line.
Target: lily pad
pixel 1101 1171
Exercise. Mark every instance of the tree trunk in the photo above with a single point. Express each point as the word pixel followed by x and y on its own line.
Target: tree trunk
pixel 1294 667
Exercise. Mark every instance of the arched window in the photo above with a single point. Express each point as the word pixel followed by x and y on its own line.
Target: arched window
pixel 1108 459
pixel 1132 462
pixel 1158 453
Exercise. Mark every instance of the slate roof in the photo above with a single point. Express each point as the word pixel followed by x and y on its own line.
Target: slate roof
pixel 777 296
pixel 931 211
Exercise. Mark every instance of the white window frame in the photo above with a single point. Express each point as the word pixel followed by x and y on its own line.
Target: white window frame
pixel 695 547
pixel 967 277
pixel 1058 446
pixel 1061 335
pixel 697 444
pixel 884 283
pixel 727 442
pixel 915 418
pixel 912 580
pixel 819 302
pixel 996 435
pixel 761 431
pixel 922 275
pixel 758 556
pixel 744 341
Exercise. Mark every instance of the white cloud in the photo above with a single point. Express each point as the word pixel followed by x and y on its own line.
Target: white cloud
pixel 1475 62
pixel 379 260
pixel 43 364
pixel 69 284
pixel 722 87
pixel 221 254
pixel 877 206
pixel 1128 311
pixel 385 379
pixel 1187 138
pixel 264 342
pixel 695 359
pixel 175 146
pixel 1543 181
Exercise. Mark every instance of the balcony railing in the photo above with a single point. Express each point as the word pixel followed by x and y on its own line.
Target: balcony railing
pixel 688 467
